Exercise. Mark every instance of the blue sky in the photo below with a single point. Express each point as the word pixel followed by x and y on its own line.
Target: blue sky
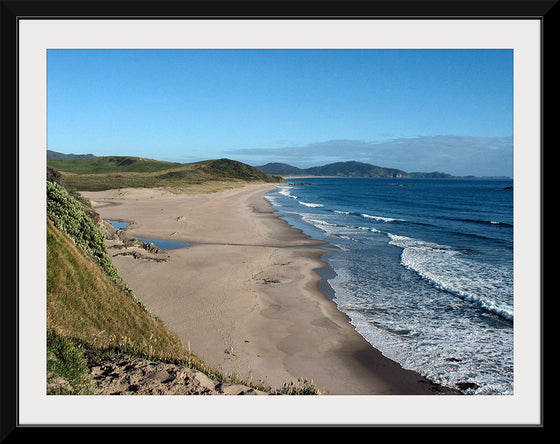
pixel 417 110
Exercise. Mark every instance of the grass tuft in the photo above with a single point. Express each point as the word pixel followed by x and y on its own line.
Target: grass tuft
pixel 304 386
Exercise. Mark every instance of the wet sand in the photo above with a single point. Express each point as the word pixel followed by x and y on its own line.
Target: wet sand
pixel 244 296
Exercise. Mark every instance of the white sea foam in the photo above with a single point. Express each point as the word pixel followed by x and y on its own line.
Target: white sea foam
pixel 429 340
pixel 380 218
pixel 317 222
pixel 449 270
pixel 272 200
pixel 373 230
pixel 313 205
pixel 285 191
pixel 340 230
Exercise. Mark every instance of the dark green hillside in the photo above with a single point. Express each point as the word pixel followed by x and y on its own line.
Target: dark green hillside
pixel 226 168
pixel 103 173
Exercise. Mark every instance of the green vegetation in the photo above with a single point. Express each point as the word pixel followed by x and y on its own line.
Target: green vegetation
pixel 67 371
pixel 110 172
pixel 90 310
pixel 68 215
pixel 110 164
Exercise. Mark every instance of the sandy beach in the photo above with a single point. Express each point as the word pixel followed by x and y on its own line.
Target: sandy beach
pixel 244 295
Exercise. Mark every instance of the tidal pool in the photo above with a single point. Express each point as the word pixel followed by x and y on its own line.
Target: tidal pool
pixel 160 243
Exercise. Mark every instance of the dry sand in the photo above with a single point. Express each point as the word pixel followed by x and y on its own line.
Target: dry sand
pixel 244 295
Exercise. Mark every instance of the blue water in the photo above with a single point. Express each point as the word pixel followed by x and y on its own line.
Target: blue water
pixel 162 244
pixel 423 268
pixel 119 225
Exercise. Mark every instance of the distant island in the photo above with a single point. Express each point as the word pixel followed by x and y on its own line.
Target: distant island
pixel 345 169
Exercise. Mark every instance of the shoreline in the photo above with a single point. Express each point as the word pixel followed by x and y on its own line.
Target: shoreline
pixel 244 301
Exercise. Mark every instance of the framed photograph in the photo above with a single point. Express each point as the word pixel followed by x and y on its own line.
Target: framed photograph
pixel 367 212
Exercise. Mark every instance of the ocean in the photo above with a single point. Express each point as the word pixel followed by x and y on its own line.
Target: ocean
pixel 422 267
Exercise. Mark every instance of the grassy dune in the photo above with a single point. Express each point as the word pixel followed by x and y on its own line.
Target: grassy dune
pixel 89 307
pixel 85 304
pixel 90 310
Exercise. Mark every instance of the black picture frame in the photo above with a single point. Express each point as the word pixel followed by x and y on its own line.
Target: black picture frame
pixel 14 11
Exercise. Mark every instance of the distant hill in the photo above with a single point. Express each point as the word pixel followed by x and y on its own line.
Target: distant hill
pixel 56 155
pixel 109 164
pixel 345 169
pixel 282 169
pixel 109 172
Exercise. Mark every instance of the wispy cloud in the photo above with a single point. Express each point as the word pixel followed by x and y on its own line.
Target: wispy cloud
pixel 457 155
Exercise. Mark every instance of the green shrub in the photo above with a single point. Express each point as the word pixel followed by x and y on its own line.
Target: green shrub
pixel 69 216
